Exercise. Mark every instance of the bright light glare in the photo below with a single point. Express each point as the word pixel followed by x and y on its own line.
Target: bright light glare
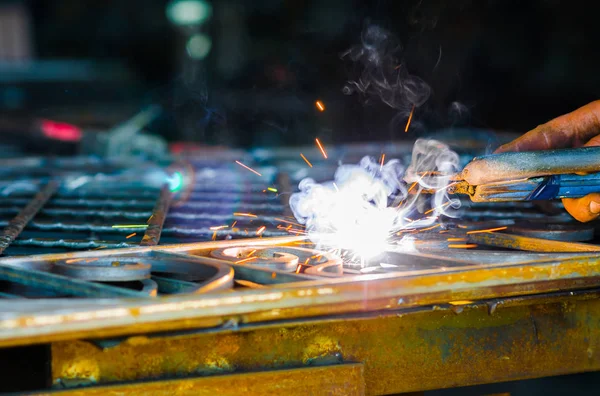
pixel 198 46
pixel 188 12
pixel 175 182
pixel 367 205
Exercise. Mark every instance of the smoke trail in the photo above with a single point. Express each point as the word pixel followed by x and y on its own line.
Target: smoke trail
pixel 367 204
pixel 381 74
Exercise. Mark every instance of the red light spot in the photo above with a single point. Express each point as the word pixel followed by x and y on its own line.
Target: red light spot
pixel 61 131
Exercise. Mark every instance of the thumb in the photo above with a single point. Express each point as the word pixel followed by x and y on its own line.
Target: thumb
pixel 586 208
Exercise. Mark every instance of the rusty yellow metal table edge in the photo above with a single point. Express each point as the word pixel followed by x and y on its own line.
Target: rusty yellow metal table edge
pixel 341 379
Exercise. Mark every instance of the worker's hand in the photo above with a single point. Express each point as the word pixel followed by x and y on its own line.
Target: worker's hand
pixel 576 129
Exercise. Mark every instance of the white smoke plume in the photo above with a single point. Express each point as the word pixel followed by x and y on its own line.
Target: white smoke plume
pixel 381 73
pixel 365 206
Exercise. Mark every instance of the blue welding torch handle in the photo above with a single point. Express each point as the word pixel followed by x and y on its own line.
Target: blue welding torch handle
pixel 539 188
pixel 566 186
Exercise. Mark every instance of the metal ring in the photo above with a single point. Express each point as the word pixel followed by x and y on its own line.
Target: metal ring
pixel 169 275
pixel 178 275
pixel 149 287
pixel 104 269
pixel 283 258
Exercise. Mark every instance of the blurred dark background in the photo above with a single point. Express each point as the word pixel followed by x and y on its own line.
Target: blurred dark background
pixel 241 73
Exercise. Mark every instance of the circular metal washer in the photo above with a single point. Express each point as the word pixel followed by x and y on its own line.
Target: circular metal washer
pixel 104 270
pixel 566 232
pixel 283 258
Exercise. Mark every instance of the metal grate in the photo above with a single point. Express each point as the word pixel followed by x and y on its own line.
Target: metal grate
pixel 87 214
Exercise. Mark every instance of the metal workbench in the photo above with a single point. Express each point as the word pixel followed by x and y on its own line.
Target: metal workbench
pixel 156 313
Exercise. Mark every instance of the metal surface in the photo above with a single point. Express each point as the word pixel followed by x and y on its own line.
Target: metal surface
pixel 254 303
pixel 156 221
pixel 20 324
pixel 566 232
pixel 16 225
pixel 519 242
pixel 340 379
pixel 112 270
pixel 528 164
pixel 402 351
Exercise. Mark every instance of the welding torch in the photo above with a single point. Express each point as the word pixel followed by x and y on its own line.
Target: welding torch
pixel 530 175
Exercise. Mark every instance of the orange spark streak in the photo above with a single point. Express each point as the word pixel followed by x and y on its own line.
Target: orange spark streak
pixel 215 228
pixel 462 226
pixel 131 235
pixel 430 228
pixel 443 231
pixel 465 246
pixel 214 237
pixel 320 105
pixel 415 183
pixel 456 239
pixel 382 160
pixel 247 167
pixel 287 221
pixel 244 214
pixel 245 260
pixel 234 223
pixel 438 207
pixel 298 267
pixel 412 186
pixel 409 119
pixel 261 230
pixel 251 253
pixel 321 148
pixel 488 230
pixel 298 232
pixel 72 261
pixel 305 160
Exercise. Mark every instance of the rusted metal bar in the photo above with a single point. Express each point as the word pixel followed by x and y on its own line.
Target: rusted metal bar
pixel 18 223
pixel 521 165
pixel 301 300
pixel 406 351
pixel 284 184
pixel 339 379
pixel 519 242
pixel 156 221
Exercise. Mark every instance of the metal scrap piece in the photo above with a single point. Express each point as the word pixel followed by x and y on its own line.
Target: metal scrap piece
pixel 18 223
pixel 556 231
pixel 519 242
pixel 62 284
pixel 155 224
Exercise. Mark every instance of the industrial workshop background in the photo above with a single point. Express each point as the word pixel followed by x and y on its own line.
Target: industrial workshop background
pixel 248 73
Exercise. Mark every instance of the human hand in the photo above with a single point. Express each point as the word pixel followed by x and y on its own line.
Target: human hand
pixel 576 129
